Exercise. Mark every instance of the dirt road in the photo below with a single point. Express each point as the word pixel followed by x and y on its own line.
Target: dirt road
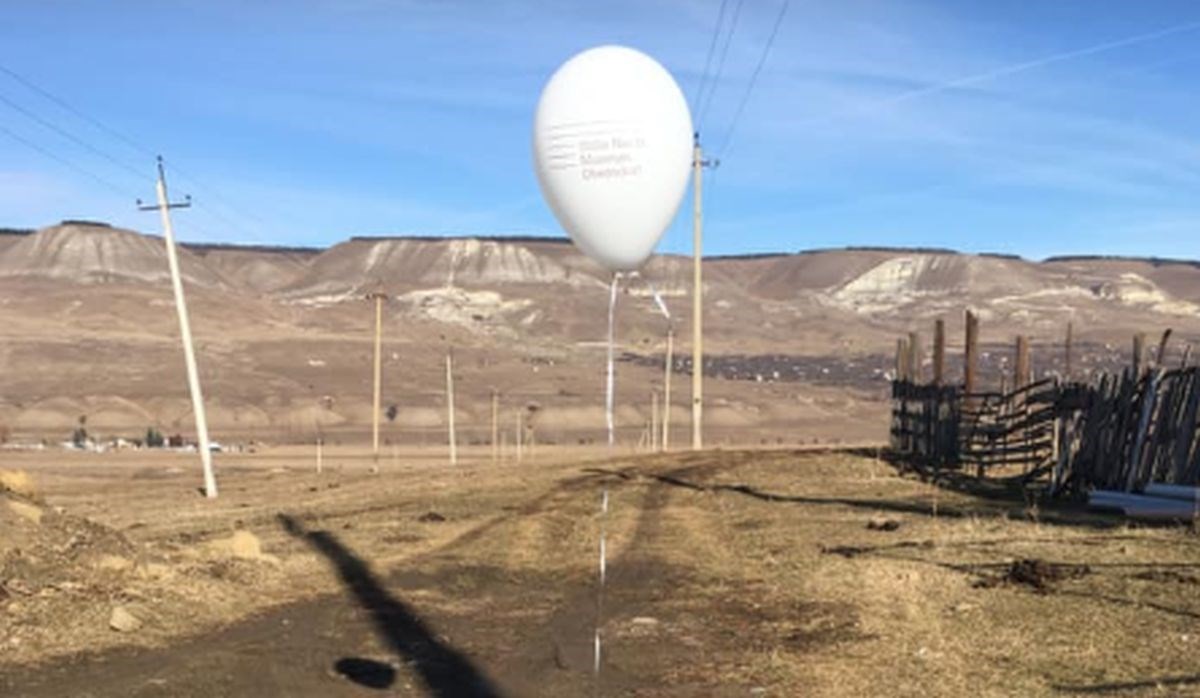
pixel 730 574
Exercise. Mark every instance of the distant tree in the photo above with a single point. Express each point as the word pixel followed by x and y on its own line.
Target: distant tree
pixel 5 433
pixel 392 412
pixel 154 438
pixel 79 437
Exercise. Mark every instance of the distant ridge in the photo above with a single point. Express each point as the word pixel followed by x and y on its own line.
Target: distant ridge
pixel 750 255
pixel 554 240
pixel 201 247
pixel 880 248
pixel 1152 261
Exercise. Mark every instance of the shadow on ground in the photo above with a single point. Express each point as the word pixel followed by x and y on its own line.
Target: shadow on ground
pixel 445 671
pixel 1158 684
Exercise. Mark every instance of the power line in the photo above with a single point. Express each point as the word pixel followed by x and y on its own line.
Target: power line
pixel 70 136
pixel 762 60
pixel 62 161
pixel 737 11
pixel 76 112
pixel 712 48
pixel 127 140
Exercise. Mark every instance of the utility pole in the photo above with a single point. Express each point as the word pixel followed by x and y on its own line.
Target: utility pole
pixel 164 207
pixel 653 420
pixel 698 165
pixel 377 296
pixel 450 408
pixel 666 417
pixel 495 425
pixel 520 434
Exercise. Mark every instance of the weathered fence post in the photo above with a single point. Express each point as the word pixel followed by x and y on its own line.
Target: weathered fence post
pixel 970 353
pixel 1067 351
pixel 1139 341
pixel 939 352
pixel 1021 373
pixel 970 366
pixel 914 357
pixel 1160 359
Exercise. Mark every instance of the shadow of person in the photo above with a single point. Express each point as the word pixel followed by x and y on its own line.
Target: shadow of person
pixel 445 671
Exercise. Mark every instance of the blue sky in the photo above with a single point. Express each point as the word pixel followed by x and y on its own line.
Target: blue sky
pixel 1035 128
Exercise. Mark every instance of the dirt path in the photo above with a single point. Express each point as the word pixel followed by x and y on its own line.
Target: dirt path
pixel 731 574
pixel 506 609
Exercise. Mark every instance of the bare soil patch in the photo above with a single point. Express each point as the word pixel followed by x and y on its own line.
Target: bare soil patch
pixel 723 581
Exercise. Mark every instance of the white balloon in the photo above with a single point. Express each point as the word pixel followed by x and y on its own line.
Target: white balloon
pixel 612 148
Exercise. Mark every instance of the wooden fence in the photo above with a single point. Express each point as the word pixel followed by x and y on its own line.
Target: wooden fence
pixel 1117 432
pixel 1125 431
pixel 945 427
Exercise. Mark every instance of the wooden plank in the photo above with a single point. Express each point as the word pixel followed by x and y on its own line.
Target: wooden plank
pixel 1161 356
pixel 1149 399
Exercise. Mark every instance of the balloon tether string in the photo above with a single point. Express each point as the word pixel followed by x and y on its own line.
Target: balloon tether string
pixel 608 387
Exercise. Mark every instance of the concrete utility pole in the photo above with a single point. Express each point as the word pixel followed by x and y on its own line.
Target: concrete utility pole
pixel 520 434
pixel 378 297
pixel 668 365
pixel 653 420
pixel 698 165
pixel 450 409
pixel 495 425
pixel 185 329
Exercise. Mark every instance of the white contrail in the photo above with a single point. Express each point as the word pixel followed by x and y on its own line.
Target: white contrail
pixel 1012 69
pixel 1041 62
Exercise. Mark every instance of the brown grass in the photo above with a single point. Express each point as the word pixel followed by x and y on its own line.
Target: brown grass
pixel 730 571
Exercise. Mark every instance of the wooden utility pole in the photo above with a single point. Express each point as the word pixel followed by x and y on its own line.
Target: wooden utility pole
pixel 939 352
pixel 320 455
pixel 971 353
pixel 495 425
pixel 902 359
pixel 668 367
pixel 164 207
pixel 378 297
pixel 452 435
pixel 1021 365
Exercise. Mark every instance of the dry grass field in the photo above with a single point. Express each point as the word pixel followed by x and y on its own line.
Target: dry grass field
pixel 731 573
